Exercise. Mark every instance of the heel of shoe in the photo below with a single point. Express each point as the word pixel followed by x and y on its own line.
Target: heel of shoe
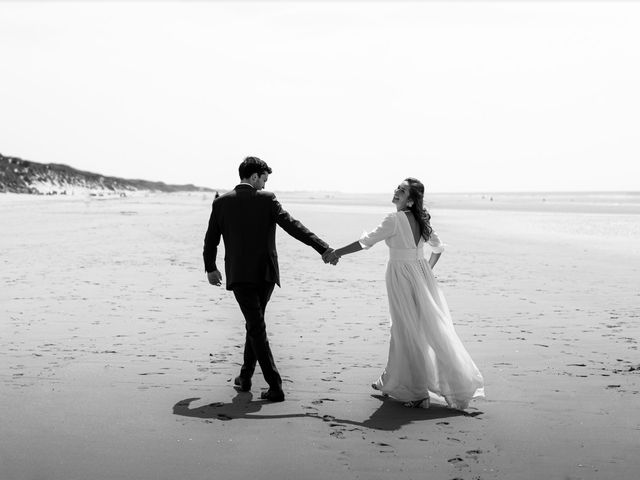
pixel 423 403
pixel 375 387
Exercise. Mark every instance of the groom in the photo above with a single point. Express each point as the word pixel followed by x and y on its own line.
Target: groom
pixel 246 218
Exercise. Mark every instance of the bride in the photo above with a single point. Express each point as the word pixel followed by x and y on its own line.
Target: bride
pixel 425 353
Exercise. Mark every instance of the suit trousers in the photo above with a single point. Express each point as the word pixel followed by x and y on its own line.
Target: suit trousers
pixel 253 299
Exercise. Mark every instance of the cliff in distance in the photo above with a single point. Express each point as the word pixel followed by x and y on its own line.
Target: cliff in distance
pixel 23 176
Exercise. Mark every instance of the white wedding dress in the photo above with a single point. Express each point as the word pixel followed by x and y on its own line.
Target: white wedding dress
pixel 426 357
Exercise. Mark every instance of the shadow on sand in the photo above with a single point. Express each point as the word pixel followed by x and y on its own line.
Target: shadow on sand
pixel 390 415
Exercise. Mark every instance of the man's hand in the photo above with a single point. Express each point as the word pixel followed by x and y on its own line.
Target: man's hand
pixel 215 278
pixel 329 256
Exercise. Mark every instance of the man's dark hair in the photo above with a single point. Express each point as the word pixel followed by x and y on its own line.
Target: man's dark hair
pixel 251 165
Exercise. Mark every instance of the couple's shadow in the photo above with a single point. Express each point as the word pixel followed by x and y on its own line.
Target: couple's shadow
pixel 390 415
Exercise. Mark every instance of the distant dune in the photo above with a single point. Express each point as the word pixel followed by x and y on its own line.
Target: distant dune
pixel 23 176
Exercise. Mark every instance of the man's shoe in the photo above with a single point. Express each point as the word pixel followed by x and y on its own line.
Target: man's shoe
pixel 273 395
pixel 243 384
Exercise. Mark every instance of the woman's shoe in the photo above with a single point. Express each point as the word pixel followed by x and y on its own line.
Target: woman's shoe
pixel 424 403
pixel 375 387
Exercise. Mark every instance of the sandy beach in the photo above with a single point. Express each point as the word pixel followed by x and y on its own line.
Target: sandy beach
pixel 117 357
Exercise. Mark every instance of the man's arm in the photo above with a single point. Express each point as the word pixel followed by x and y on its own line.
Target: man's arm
pixel 211 242
pixel 296 229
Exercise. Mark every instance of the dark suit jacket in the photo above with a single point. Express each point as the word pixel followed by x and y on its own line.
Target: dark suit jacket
pixel 246 219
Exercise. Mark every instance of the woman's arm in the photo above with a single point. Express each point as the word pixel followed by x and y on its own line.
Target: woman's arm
pixel 433 259
pixel 347 249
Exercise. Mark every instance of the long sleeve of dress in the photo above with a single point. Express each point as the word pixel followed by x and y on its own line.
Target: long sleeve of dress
pixel 434 242
pixel 383 231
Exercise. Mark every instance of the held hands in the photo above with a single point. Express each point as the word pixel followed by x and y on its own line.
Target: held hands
pixel 330 256
pixel 215 278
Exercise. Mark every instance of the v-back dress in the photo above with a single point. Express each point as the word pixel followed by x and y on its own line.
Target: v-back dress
pixel 426 356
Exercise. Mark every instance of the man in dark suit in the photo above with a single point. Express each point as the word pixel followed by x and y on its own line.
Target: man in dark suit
pixel 246 218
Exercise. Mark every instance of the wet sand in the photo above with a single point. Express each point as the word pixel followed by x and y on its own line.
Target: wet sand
pixel 117 357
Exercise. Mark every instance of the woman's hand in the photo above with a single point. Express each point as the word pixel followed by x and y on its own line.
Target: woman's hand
pixel 330 256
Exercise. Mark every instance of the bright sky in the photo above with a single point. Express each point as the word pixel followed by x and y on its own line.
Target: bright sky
pixel 347 96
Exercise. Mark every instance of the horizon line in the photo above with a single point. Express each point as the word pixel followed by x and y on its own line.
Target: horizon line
pixel 461 192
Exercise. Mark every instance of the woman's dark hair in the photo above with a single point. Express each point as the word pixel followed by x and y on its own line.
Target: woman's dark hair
pixel 416 193
pixel 251 165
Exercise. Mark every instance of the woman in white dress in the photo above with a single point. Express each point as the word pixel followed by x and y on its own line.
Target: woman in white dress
pixel 425 353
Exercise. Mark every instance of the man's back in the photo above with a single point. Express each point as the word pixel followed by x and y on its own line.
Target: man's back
pixel 245 219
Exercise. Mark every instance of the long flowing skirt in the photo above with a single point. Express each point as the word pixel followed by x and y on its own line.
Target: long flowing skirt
pixel 426 356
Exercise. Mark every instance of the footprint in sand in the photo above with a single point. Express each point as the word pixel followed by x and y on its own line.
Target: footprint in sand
pixel 473 454
pixel 322 400
pixel 387 448
pixel 458 462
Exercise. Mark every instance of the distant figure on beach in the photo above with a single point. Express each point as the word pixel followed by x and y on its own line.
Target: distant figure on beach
pixel 425 353
pixel 246 218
